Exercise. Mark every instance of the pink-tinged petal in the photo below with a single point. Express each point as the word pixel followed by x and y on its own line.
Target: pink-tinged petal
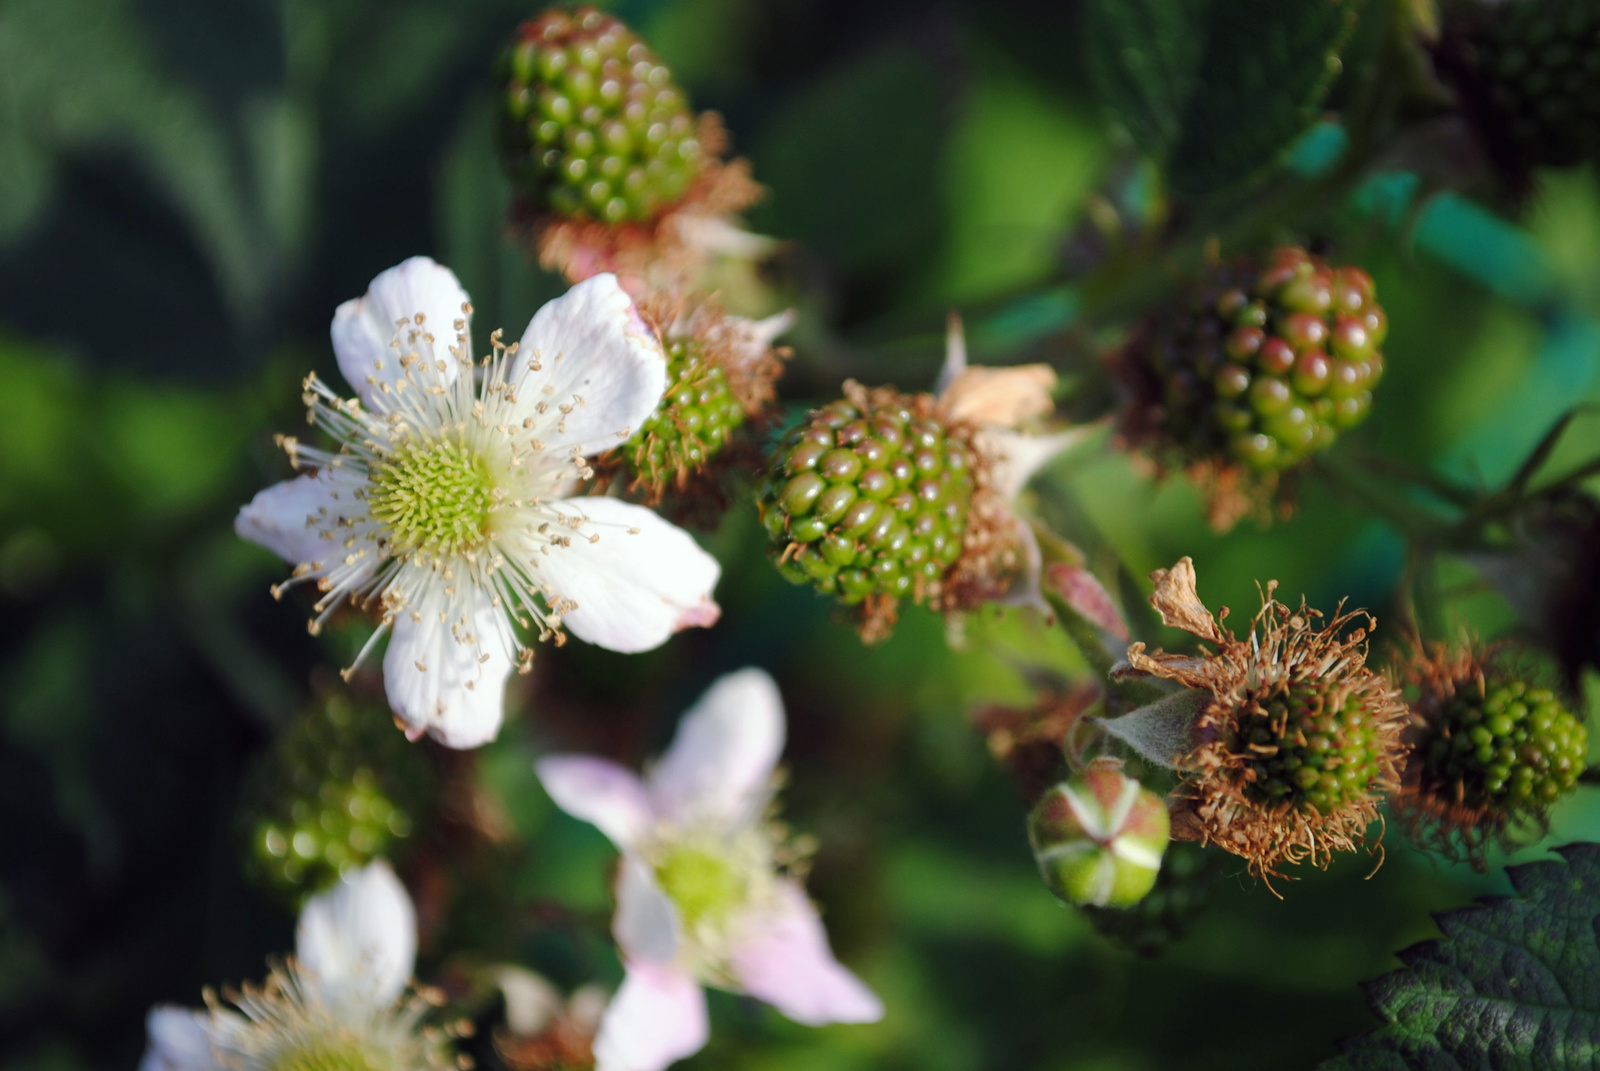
pixel 646 925
pixel 601 793
pixel 447 678
pixel 783 958
pixel 364 328
pixel 590 350
pixel 357 942
pixel 657 1017
pixel 642 580
pixel 176 1039
pixel 289 518
pixel 721 760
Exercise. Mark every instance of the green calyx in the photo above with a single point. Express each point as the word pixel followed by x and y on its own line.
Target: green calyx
pixel 1314 747
pixel 1508 747
pixel 703 884
pixel 339 788
pixel 1267 367
pixel 697 416
pixel 433 496
pixel 1533 69
pixel 868 500
pixel 593 125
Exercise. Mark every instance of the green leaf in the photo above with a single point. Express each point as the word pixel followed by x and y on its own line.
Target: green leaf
pixel 1514 984
pixel 1143 56
pixel 1218 91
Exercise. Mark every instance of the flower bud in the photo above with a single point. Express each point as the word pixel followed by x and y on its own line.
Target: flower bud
pixel 1099 838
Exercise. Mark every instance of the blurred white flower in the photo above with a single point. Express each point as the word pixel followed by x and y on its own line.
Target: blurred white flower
pixel 445 504
pixel 341 1003
pixel 701 899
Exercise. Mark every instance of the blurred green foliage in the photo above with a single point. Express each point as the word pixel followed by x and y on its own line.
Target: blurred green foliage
pixel 188 191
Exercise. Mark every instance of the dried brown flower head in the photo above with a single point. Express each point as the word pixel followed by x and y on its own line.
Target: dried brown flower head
pixel 1299 741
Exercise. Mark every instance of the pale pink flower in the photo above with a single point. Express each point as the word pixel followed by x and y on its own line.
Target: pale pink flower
pixel 701 898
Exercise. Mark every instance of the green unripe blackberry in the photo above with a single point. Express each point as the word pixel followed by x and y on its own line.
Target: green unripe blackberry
pixel 869 496
pixel 697 415
pixel 1264 367
pixel 1164 916
pixel 1314 747
pixel 1505 748
pixel 1529 72
pixel 594 126
pixel 339 788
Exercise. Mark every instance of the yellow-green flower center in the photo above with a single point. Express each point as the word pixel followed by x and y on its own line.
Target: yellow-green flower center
pixel 704 885
pixel 328 1054
pixel 434 496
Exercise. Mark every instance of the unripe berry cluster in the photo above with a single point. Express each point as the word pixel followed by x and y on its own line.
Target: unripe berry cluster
pixel 697 416
pixel 1309 745
pixel 594 127
pixel 1491 751
pixel 869 496
pixel 339 789
pixel 1266 365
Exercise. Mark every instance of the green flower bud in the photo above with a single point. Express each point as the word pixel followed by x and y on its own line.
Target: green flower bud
pixel 1099 838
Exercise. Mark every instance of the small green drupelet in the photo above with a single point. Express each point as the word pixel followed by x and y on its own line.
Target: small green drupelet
pixel 873 500
pixel 697 416
pixel 1511 748
pixel 1310 749
pixel 593 125
pixel 1267 367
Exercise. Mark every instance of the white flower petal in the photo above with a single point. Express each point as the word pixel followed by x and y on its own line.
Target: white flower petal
pixel 288 518
pixel 599 792
pixel 646 924
pixel 357 942
pixel 643 580
pixel 452 690
pixel 784 959
pixel 176 1039
pixel 591 343
pixel 657 1017
pixel 721 761
pixel 364 328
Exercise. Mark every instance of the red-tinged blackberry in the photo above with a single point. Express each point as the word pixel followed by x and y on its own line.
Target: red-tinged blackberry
pixel 868 498
pixel 1528 74
pixel 594 126
pixel 1170 909
pixel 1263 366
pixel 1490 752
pixel 338 789
pixel 1298 741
